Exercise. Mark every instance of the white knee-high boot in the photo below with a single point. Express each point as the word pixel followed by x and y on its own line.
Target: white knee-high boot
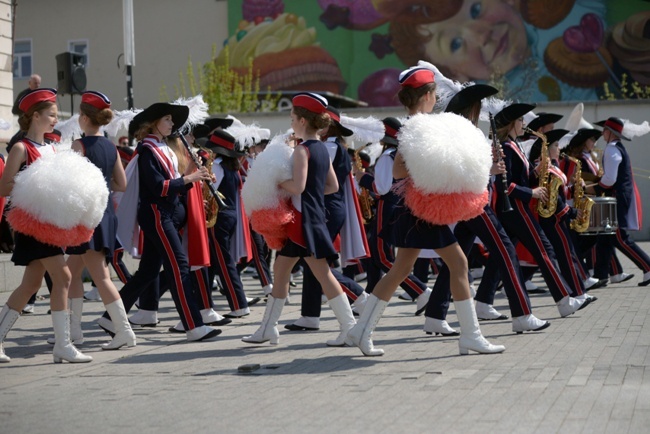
pixel 123 333
pixel 268 330
pixel 8 317
pixel 470 333
pixel 343 313
pixel 361 334
pixel 63 348
pixel 76 307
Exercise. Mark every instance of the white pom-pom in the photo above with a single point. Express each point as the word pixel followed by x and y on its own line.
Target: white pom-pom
pixel 271 167
pixel 63 189
pixel 445 153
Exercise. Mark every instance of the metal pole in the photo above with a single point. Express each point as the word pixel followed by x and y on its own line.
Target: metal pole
pixel 129 87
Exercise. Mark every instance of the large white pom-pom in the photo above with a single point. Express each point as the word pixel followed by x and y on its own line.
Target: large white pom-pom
pixel 271 167
pixel 59 199
pixel 445 153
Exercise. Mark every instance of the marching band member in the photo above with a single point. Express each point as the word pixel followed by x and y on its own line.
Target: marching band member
pixel 555 226
pixel 467 103
pixel 230 237
pixel 410 234
pixel 95 111
pixel 581 146
pixel 382 253
pixel 161 183
pixel 313 177
pixel 39 117
pixel 340 207
pixel 520 224
pixel 618 180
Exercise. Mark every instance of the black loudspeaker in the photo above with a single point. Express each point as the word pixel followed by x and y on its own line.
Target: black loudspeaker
pixel 71 73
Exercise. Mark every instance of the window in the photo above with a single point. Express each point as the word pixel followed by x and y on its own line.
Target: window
pixel 80 47
pixel 22 58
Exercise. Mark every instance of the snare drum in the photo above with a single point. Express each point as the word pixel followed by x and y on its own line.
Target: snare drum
pixel 603 218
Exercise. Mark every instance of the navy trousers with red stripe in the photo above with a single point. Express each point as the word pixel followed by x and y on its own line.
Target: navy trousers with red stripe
pixel 556 230
pixel 150 298
pixel 502 257
pixel 222 262
pixel 163 247
pixel 382 257
pixel 521 225
pixel 621 241
pixel 260 253
pixel 311 294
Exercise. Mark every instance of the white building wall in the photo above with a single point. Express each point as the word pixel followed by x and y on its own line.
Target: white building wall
pixel 167 32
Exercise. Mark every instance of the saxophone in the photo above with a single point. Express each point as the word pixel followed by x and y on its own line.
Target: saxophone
pixel 365 200
pixel 212 208
pixel 546 180
pixel 580 200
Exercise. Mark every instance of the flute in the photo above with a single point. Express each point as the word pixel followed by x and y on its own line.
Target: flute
pixel 496 146
pixel 222 205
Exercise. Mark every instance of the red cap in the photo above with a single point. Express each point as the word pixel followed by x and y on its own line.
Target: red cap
pixel 35 96
pixel 416 77
pixel 96 99
pixel 310 101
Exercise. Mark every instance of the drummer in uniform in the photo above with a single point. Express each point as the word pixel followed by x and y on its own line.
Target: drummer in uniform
pixel 618 181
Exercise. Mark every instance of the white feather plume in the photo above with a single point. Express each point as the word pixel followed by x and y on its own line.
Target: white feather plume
pixel 366 130
pixel 4 125
pixel 198 111
pixel 265 133
pixel 121 121
pixel 373 151
pixel 271 167
pixel 492 105
pixel 245 135
pixel 71 190
pixel 445 153
pixel 235 121
pixel 446 88
pixel 70 129
pixel 635 130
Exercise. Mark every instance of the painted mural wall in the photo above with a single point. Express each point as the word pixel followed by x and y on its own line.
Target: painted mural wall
pixel 534 50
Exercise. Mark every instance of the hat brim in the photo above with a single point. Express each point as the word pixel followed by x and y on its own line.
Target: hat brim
pixel 511 113
pixel 345 132
pixel 617 134
pixel 552 136
pixel 220 150
pixel 581 136
pixel 542 120
pixel 179 114
pixel 468 96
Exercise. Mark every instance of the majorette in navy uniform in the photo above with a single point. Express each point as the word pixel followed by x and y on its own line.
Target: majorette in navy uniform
pixel 520 224
pixel 581 146
pixel 39 117
pixel 340 207
pixel 229 237
pixel 556 227
pixel 308 236
pixel 95 112
pixel 502 256
pixel 618 181
pixel 162 212
pixel 380 239
pixel 411 234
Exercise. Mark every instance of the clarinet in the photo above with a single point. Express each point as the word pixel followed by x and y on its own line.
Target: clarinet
pixel 496 147
pixel 222 205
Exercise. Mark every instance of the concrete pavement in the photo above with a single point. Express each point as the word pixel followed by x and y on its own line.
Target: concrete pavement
pixel 588 373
